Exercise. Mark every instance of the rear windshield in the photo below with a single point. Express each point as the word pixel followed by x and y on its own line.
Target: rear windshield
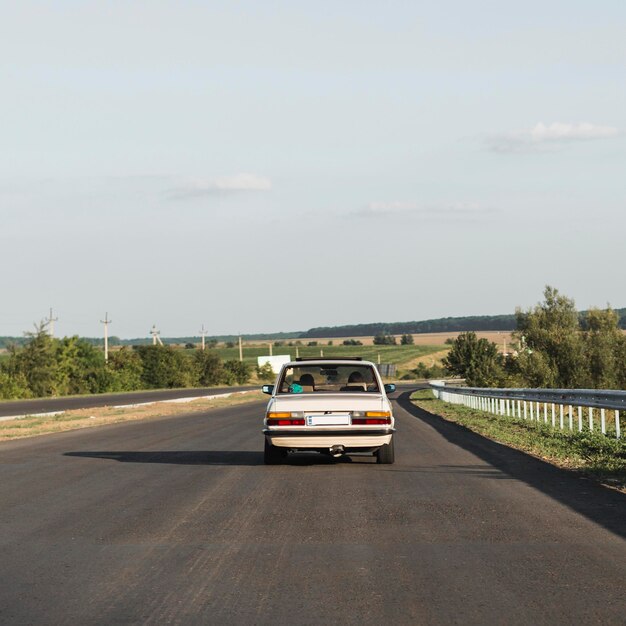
pixel 322 378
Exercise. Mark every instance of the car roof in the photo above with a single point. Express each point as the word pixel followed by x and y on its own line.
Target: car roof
pixel 323 361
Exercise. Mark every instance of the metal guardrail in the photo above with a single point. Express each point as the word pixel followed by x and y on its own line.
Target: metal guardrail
pixel 527 404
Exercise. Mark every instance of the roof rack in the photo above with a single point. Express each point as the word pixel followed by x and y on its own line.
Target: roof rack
pixel 331 358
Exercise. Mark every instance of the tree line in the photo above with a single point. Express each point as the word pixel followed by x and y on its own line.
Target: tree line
pixel 556 347
pixel 44 366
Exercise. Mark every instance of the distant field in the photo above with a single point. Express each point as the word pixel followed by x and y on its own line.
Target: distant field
pixel 400 355
pixel 426 339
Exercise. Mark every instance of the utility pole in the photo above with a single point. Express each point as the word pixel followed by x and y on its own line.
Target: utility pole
pixel 156 335
pixel 50 321
pixel 270 345
pixel 240 349
pixel 106 321
pixel 203 335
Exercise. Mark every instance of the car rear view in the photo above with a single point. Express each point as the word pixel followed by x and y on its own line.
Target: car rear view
pixel 331 406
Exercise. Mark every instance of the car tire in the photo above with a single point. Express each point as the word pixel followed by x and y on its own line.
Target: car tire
pixel 385 454
pixel 273 455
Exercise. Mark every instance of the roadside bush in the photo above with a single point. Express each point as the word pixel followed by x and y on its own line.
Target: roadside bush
pixel 352 342
pixel 13 386
pixel 265 373
pixel 236 372
pixel 165 367
pixel 423 371
pixel 209 368
pixel 407 340
pixel 124 370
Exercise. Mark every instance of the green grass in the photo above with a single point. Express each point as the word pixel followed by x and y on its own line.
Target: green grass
pixel 388 354
pixel 599 456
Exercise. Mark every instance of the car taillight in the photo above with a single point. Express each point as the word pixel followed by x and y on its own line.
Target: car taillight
pixel 371 418
pixel 285 418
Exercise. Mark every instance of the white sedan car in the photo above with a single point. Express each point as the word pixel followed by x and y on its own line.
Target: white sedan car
pixel 332 406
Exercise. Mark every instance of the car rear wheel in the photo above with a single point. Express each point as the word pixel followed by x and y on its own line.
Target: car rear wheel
pixel 273 455
pixel 385 454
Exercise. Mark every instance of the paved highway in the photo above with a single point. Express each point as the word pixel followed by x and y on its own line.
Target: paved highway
pixel 43 405
pixel 176 521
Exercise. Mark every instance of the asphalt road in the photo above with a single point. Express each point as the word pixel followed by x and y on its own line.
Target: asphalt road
pixel 177 521
pixel 44 405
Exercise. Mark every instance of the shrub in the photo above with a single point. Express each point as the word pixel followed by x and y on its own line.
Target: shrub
pixel 209 368
pixel 265 373
pixel 236 372
pixel 384 340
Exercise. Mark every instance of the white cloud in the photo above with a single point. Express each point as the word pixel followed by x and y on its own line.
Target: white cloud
pixel 544 137
pixel 194 187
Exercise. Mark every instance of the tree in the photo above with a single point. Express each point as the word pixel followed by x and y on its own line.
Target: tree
pixel 603 346
pixel 552 329
pixel 36 363
pixel 165 367
pixel 124 370
pixel 384 340
pixel 79 367
pixel 476 360
pixel 209 367
pixel 236 372
pixel 407 340
pixel 265 372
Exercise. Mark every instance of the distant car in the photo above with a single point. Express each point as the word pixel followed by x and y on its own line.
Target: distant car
pixel 331 406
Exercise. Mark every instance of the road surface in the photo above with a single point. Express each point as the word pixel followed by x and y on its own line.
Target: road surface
pixel 44 405
pixel 177 521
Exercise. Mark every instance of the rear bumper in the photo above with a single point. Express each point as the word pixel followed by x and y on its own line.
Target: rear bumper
pixel 316 439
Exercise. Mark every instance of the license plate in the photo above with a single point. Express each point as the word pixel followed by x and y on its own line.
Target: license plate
pixel 339 419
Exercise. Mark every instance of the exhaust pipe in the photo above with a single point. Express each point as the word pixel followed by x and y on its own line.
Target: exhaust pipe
pixel 337 451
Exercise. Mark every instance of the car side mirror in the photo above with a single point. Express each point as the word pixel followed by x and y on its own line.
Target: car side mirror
pixel 268 389
pixel 390 388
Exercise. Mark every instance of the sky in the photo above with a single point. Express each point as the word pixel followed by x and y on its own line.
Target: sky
pixel 273 166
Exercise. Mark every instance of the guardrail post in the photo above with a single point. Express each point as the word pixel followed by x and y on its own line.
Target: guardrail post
pixel 509 402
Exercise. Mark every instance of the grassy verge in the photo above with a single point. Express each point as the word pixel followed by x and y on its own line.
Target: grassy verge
pixel 598 456
pixel 31 426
